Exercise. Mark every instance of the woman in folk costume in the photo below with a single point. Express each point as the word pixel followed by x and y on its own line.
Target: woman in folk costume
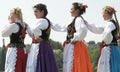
pixel 75 56
pixel 41 57
pixel 109 60
pixel 16 56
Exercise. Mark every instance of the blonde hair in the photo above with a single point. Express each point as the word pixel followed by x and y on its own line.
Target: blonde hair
pixel 17 11
pixel 111 11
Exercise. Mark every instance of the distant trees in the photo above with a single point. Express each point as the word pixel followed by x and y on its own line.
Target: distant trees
pixel 2 56
pixel 58 51
pixel 94 55
pixel 91 42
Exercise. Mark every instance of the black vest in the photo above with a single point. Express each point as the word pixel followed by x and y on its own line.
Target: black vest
pixel 46 32
pixel 70 31
pixel 19 36
pixel 114 34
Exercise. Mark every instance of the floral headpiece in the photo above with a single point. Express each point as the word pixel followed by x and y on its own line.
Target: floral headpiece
pixel 109 9
pixel 81 5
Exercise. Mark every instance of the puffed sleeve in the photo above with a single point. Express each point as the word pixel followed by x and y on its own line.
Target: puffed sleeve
pixel 107 36
pixel 29 31
pixel 58 27
pixel 81 30
pixel 9 29
pixel 42 24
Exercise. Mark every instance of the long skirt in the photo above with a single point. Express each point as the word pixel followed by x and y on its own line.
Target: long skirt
pixel 41 58
pixel 109 60
pixel 15 60
pixel 76 58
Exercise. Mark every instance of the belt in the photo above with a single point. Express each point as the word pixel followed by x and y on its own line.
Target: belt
pixel 111 44
pixel 40 41
pixel 17 45
pixel 35 42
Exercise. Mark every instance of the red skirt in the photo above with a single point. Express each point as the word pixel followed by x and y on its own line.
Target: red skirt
pixel 21 60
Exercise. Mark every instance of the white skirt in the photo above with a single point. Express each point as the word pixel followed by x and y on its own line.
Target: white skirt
pixel 104 60
pixel 68 57
pixel 32 58
pixel 11 59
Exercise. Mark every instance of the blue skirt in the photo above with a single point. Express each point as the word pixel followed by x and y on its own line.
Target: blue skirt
pixel 115 59
pixel 46 60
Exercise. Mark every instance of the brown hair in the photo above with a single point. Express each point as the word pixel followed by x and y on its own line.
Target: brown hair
pixel 41 7
pixel 80 7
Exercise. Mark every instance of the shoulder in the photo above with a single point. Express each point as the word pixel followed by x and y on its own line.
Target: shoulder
pixel 42 20
pixel 41 24
pixel 13 25
pixel 110 24
pixel 79 19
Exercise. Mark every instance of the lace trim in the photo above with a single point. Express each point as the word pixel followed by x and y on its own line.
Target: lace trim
pixel 11 58
pixel 32 58
pixel 68 58
pixel 103 64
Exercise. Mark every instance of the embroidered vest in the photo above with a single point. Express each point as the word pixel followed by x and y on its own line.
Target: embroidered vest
pixel 70 31
pixel 19 36
pixel 46 32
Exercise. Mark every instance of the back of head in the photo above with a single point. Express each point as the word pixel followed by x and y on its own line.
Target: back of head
pixel 80 7
pixel 17 12
pixel 18 15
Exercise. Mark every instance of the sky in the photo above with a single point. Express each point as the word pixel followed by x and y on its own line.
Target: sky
pixel 58 12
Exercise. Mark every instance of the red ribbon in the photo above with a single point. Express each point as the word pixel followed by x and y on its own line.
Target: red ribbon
pixel 85 6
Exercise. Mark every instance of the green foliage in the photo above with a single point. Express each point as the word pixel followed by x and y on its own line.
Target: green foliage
pixel 94 55
pixel 58 51
pixel 28 48
pixel 91 42
pixel 2 57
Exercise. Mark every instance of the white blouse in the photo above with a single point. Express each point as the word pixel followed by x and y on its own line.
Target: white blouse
pixel 40 25
pixel 14 28
pixel 81 29
pixel 106 30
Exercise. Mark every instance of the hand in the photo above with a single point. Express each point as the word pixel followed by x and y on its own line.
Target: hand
pixel 39 39
pixel 10 20
pixel 73 42
pixel 86 22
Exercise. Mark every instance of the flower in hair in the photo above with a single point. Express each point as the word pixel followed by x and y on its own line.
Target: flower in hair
pixel 109 9
pixel 85 6
pixel 80 4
